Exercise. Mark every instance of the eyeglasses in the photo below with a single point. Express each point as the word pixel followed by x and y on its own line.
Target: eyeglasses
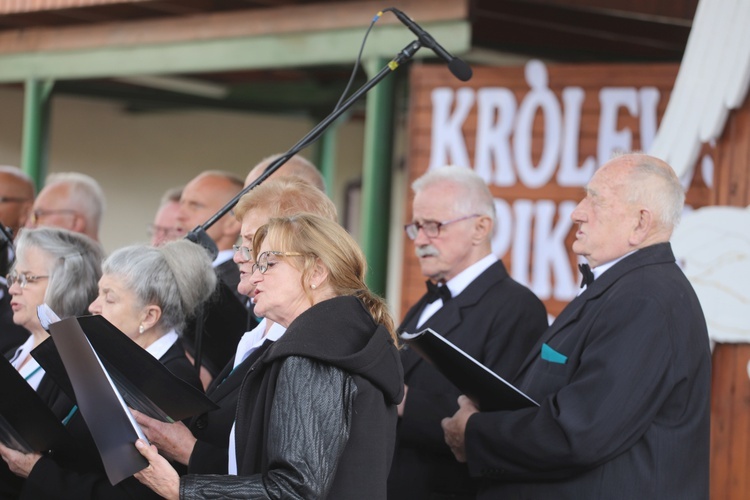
pixel 39 214
pixel 245 252
pixel 262 265
pixel 12 199
pixel 431 228
pixel 164 232
pixel 22 279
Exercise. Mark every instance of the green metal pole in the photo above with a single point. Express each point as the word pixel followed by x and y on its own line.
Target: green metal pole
pixel 36 129
pixel 327 156
pixel 376 176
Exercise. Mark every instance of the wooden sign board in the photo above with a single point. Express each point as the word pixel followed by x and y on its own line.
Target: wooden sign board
pixel 536 134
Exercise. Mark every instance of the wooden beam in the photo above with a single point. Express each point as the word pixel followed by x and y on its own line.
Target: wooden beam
pixel 25 6
pixel 225 25
pixel 259 52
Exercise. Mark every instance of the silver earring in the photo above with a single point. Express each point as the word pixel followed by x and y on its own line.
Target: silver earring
pixel 141 329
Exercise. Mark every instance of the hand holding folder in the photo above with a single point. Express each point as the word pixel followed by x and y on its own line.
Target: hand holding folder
pixel 488 390
pixel 106 371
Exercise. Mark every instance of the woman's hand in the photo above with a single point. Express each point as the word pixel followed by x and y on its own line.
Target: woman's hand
pixel 159 475
pixel 175 441
pixel 19 463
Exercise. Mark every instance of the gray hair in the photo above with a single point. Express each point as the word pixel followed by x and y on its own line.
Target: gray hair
pixel 172 194
pixel 75 269
pixel 654 183
pixel 85 192
pixel 297 165
pixel 177 277
pixel 476 197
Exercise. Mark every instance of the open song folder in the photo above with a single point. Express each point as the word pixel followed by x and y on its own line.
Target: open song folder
pixel 26 423
pixel 107 373
pixel 488 390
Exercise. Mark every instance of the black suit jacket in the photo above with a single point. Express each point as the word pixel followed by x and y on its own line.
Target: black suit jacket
pixel 210 454
pixel 221 322
pixel 497 321
pixel 627 414
pixel 229 274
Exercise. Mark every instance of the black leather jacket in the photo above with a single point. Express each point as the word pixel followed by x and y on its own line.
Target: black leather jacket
pixel 316 416
pixel 303 452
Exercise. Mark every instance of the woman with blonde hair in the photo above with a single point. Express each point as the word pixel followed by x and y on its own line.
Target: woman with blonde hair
pixel 316 417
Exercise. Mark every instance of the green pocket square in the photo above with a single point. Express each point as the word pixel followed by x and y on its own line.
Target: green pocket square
pixel 551 355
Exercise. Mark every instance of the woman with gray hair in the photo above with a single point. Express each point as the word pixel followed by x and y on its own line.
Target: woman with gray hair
pixel 59 268
pixel 56 267
pixel 147 293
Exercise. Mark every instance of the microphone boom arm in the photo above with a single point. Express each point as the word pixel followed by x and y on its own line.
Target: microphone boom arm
pixel 198 235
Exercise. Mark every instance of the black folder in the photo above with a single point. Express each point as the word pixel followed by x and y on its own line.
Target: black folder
pixel 26 423
pixel 110 422
pixel 488 390
pixel 143 381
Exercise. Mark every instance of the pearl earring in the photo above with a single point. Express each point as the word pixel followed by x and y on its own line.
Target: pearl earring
pixel 141 329
pixel 313 286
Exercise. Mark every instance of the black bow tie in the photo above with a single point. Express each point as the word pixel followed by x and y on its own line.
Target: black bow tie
pixel 587 273
pixel 435 292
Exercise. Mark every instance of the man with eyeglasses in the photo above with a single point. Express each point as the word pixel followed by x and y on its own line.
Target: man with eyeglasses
pixel 225 317
pixel 16 199
pixel 166 226
pixel 474 303
pixel 69 200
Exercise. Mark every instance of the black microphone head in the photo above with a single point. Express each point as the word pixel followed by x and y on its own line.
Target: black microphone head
pixel 460 69
pixel 201 237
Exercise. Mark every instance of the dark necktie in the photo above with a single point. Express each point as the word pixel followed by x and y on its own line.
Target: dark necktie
pixel 435 292
pixel 587 273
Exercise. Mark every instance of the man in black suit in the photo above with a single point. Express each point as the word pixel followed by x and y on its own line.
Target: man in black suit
pixel 484 312
pixel 622 376
pixel 225 317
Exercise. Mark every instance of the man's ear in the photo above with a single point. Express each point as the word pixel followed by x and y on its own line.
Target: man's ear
pixel 79 224
pixel 231 226
pixel 643 228
pixel 482 229
pixel 24 214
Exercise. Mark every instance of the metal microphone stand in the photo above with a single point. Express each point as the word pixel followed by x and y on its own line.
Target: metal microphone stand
pixel 198 235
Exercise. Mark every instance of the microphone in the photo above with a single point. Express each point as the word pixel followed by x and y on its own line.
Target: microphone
pixel 460 69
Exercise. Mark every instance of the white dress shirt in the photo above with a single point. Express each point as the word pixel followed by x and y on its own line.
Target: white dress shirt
pixel 160 346
pixel 249 342
pixel 222 257
pixel 599 270
pixel 457 285
pixel 31 371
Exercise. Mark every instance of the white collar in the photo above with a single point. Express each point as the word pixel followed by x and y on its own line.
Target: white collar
pixel 459 282
pixel 253 339
pixel 222 257
pixel 160 346
pixel 599 270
